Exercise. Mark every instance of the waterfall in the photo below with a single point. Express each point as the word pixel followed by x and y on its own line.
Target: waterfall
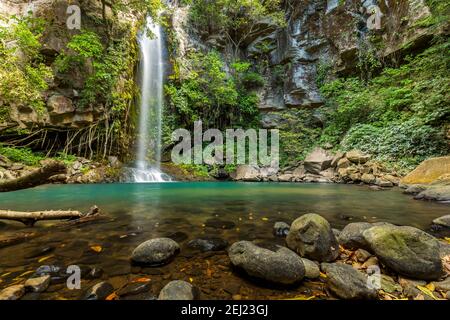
pixel 151 70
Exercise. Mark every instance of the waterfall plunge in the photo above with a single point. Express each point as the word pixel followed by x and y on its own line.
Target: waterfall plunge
pixel 151 70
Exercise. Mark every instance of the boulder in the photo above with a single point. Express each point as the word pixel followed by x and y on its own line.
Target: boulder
pixel 299 173
pixel 414 189
pixel 428 171
pixel 311 237
pixel 435 193
pixel 287 177
pixel 351 237
pixel 346 282
pixel 178 290
pixel 155 252
pixel 443 221
pixel 343 163
pixel 357 157
pixel 246 173
pixel 406 250
pixel 337 157
pixel 368 178
pixel 208 244
pixel 383 183
pixel 312 270
pixel 274 263
pixel 13 292
pixel 318 160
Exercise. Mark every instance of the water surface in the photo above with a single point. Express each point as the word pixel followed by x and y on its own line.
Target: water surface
pixel 134 213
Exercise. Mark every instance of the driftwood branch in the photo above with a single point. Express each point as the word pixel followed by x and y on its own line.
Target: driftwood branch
pixel 30 218
pixel 34 178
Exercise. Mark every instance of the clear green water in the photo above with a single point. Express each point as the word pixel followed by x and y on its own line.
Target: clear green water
pixel 196 201
pixel 138 212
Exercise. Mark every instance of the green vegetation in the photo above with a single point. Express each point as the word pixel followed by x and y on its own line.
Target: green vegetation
pixel 23 75
pixel 399 116
pixel 209 94
pixel 22 155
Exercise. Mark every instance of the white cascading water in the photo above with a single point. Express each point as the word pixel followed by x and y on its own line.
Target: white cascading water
pixel 151 103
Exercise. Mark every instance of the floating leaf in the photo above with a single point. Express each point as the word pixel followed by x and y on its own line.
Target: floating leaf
pixel 45 258
pixel 141 280
pixel 323 275
pixel 112 296
pixel 427 291
pixel 191 279
pixel 26 272
pixel 447 239
pixel 5 274
pixel 265 219
pixel 97 249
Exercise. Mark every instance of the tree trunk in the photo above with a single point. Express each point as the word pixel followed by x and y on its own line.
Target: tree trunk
pixel 34 178
pixel 30 218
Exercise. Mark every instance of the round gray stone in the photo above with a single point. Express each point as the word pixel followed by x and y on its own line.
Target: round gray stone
pixel 177 290
pixel 155 252
pixel 311 237
pixel 272 263
pixel 407 250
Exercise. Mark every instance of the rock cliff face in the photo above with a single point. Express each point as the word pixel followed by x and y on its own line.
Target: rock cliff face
pixel 332 33
pixel 63 109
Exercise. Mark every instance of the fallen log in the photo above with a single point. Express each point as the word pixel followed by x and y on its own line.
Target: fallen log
pixel 30 218
pixel 34 178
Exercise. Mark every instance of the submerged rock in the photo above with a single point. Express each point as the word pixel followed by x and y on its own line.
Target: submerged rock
pixel 155 252
pixel 280 229
pixel 178 290
pixel 311 237
pixel 13 292
pixel 346 282
pixel 208 244
pixel 39 284
pixel 275 264
pixel 443 221
pixel 134 288
pixel 99 291
pixel 219 224
pixel 406 250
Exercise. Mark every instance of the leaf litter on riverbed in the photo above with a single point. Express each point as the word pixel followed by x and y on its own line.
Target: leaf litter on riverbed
pixel 427 290
pixel 96 248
